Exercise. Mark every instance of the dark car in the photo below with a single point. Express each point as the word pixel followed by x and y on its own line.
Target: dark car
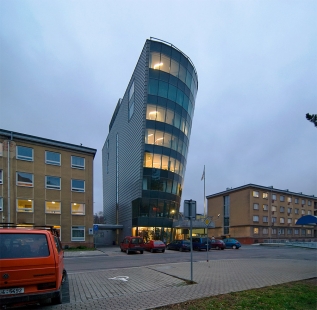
pixel 180 245
pixel 232 243
pixel 155 246
pixel 217 244
pixel 201 244
pixel 132 244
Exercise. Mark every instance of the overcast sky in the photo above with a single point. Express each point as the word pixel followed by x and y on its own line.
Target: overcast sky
pixel 65 64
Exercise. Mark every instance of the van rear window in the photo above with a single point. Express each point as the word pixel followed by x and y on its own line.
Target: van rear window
pixel 136 240
pixel 23 245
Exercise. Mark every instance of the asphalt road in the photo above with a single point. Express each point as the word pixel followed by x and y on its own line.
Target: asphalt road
pixel 118 259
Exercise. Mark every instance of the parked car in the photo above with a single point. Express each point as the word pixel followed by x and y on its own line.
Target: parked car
pixel 232 243
pixel 217 244
pixel 201 243
pixel 31 265
pixel 180 245
pixel 132 244
pixel 155 246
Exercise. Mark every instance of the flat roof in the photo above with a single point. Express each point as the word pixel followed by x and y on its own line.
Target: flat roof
pixel 24 137
pixel 266 188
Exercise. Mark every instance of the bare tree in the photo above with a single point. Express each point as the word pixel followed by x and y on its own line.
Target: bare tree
pixel 312 118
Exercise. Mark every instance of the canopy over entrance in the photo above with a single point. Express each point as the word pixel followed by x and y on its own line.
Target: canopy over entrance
pixel 307 220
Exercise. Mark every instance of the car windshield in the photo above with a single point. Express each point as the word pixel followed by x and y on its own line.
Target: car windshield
pixel 23 245
pixel 158 243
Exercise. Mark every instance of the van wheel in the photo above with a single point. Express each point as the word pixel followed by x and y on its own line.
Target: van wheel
pixel 127 251
pixel 141 252
pixel 58 299
pixel 163 251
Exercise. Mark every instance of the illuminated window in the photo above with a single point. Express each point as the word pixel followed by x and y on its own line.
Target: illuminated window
pixel 303 212
pixel 255 230
pixel 53 207
pixel 52 158
pixel 289 199
pixel 309 212
pixel 273 208
pixel 24 205
pixel 24 179
pixel 78 208
pixel 256 194
pixel 308 231
pixel 265 195
pixel 289 221
pixel 282 220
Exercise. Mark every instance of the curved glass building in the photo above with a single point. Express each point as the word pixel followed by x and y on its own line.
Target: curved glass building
pixel 144 155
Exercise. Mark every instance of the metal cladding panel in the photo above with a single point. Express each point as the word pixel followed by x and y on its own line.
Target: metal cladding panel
pixel 130 148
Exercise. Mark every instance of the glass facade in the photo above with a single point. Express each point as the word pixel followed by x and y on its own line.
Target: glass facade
pixel 171 93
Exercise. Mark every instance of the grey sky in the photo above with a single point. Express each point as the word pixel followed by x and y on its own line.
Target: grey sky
pixel 64 64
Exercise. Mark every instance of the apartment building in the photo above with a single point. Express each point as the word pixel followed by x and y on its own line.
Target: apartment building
pixel 254 213
pixel 47 182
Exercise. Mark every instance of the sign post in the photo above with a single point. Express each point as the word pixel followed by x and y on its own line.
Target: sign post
pixel 190 212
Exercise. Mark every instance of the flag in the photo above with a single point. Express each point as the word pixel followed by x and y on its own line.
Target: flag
pixel 203 176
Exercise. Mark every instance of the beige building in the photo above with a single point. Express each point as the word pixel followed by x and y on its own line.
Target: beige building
pixel 47 182
pixel 254 213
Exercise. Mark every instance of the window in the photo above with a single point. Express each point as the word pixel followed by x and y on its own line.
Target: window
pixel 1 203
pixel 78 233
pixel 24 205
pixel 303 201
pixel 289 199
pixel 53 207
pixel 255 194
pixel 282 220
pixel 52 158
pixel 296 231
pixel 289 231
pixel 78 186
pixel 281 231
pixel 282 198
pixel 265 195
pixel 1 176
pixel 295 220
pixel 24 179
pixel 273 197
pixel 309 202
pixel 255 206
pixel 289 221
pixel 273 219
pixel 296 211
pixel 282 209
pixel 303 232
pixel 273 231
pixel 255 218
pixel 308 231
pixel 265 207
pixel 289 210
pixel 52 182
pixel 265 231
pixel 78 208
pixel 24 153
pixel 256 230
pixel 265 219
pixel 131 100
pixel 78 162
pixel 309 212
pixel 303 212
pixel 273 208
pixel 296 200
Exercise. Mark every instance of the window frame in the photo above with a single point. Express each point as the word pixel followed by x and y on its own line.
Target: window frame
pixel 255 218
pixel 265 219
pixel 282 220
pixel 25 184
pixel 80 167
pixel 256 194
pixel 55 187
pixel 282 198
pixel 265 207
pixel 255 230
pixel 77 189
pixel 23 157
pixel 77 213
pixel 78 228
pixel 24 210
pixel 53 212
pixel 52 162
pixel 255 206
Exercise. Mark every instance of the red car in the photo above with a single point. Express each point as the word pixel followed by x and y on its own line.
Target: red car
pixel 132 244
pixel 155 246
pixel 217 244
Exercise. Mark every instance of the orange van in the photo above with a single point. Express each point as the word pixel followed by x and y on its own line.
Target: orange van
pixel 31 265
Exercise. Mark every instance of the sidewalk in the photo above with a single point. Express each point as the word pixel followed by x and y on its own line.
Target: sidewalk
pixel 160 285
